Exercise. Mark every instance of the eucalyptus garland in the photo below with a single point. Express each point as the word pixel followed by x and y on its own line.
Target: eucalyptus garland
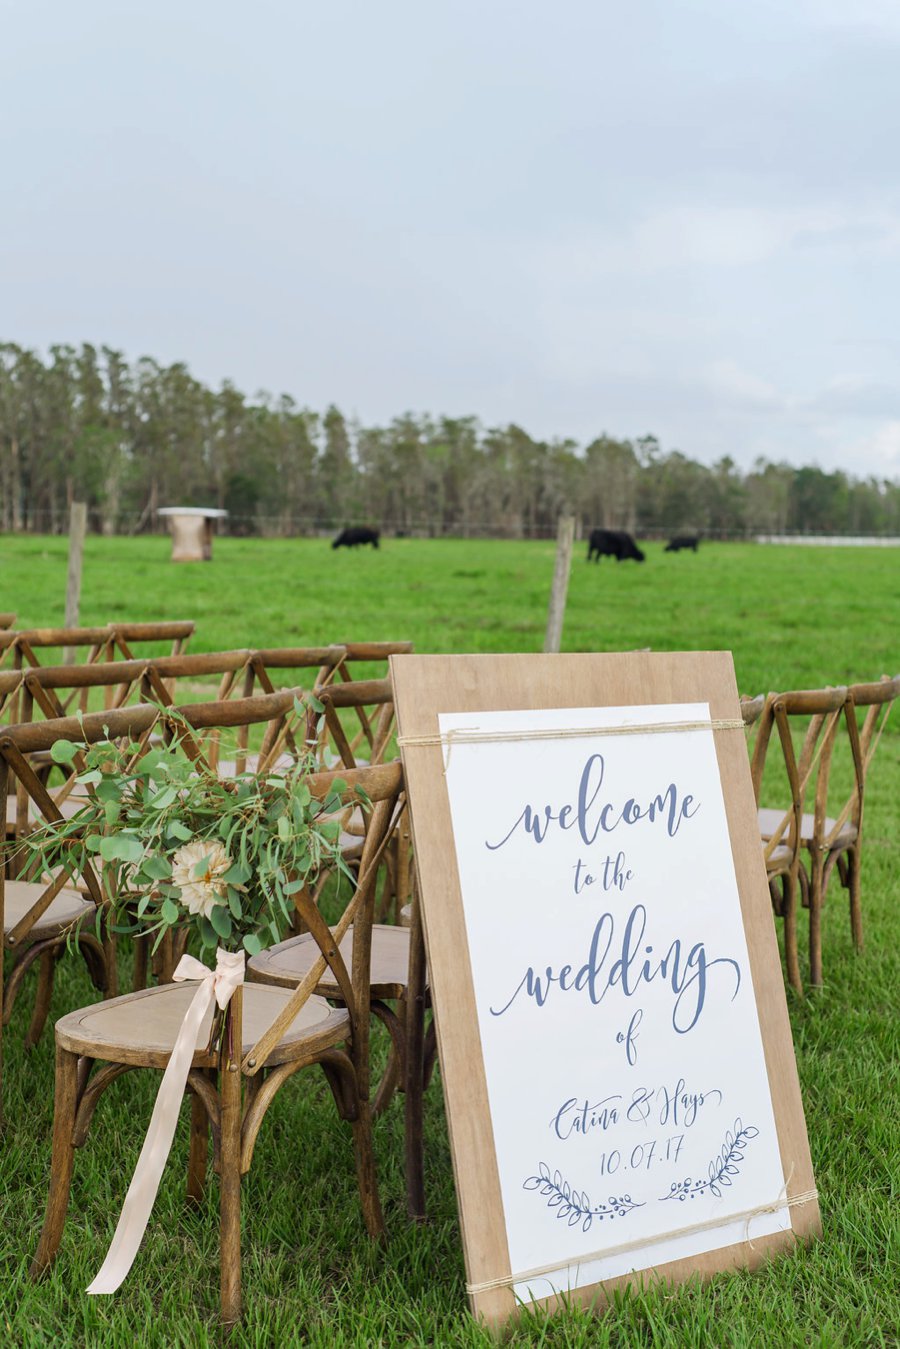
pixel 176 843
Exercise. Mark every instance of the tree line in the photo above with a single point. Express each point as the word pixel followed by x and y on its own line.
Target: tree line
pixel 85 424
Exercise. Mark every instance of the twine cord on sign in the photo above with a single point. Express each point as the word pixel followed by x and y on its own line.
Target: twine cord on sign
pixel 782 1201
pixel 474 736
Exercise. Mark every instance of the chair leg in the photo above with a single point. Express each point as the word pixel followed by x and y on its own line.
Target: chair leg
pixel 815 923
pixel 198 1156
pixel 95 957
pixel 112 968
pixel 413 1103
pixel 414 1065
pixel 46 966
pixel 230 1190
pixel 141 962
pixel 367 1179
pixel 791 955
pixel 856 924
pixel 64 1107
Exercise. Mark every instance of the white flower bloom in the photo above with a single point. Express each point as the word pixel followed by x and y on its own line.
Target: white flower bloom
pixel 201 894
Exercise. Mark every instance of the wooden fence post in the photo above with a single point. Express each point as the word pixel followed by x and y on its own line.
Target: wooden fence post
pixel 565 537
pixel 77 529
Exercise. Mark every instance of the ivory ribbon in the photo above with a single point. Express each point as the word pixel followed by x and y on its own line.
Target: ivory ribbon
pixel 218 984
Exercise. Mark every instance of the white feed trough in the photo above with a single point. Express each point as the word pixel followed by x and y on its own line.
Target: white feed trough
pixel 192 531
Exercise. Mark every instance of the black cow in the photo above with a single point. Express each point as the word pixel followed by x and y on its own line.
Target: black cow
pixel 616 543
pixel 682 541
pixel 352 538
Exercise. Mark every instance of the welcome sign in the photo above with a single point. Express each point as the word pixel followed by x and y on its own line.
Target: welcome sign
pixel 615 1049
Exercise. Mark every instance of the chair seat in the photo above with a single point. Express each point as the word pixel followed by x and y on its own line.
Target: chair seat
pixel 779 861
pixel 351 846
pixel 140 1028
pixel 287 963
pixel 68 808
pixel 67 907
pixel 769 820
pixel 227 768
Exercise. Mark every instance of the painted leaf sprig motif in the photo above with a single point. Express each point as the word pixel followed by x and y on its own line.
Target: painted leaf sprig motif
pixel 721 1171
pixel 574 1205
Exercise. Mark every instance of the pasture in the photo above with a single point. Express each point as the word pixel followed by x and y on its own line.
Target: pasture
pixel 793 617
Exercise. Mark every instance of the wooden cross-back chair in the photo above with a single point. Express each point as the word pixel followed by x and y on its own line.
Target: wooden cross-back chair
pixel 20 648
pixel 333 747
pixel 260 667
pixel 821 712
pixel 361 742
pixel 269 1034
pixel 400 999
pixel 781 852
pixel 335 665
pixel 124 637
pixel 336 750
pixel 400 992
pixel 41 913
pixel 41 689
pixel 143 678
pixel 831 837
pixel 840 840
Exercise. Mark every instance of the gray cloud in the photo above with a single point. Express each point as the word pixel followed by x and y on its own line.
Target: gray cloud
pixel 651 218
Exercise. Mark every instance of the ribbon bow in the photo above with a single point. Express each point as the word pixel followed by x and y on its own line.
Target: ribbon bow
pixel 219 985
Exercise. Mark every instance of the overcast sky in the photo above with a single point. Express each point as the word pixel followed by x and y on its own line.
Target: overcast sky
pixel 671 216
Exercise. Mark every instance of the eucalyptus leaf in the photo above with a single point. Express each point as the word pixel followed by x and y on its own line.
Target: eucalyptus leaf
pixel 121 848
pixel 207 932
pixel 239 874
pixel 220 919
pixel 63 751
pixel 157 868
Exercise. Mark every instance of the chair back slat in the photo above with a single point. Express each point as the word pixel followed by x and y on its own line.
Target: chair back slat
pixel 384 787
pixel 877 700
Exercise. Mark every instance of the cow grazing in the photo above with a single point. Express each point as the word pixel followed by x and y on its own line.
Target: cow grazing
pixel 681 542
pixel 353 537
pixel 616 543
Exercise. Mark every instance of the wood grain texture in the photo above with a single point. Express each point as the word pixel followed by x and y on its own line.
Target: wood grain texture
pixel 424 686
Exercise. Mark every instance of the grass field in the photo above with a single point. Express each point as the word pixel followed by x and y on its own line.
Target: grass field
pixel 793 617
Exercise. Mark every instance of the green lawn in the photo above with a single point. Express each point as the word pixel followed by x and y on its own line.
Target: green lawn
pixel 794 617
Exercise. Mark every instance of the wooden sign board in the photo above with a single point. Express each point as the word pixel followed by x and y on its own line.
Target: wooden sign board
pixel 615 1048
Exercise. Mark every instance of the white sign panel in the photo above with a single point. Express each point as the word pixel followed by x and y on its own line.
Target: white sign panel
pixel 632 1117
